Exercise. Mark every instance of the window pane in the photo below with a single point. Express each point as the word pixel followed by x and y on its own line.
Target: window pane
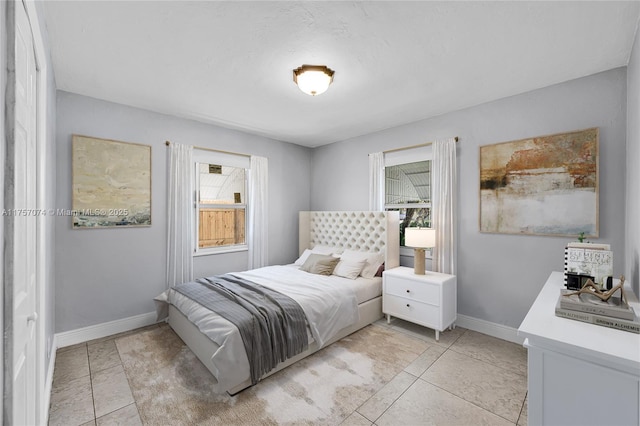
pixel 408 183
pixel 221 227
pixel 221 184
pixel 413 217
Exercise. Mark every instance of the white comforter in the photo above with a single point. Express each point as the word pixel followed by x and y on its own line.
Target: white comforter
pixel 329 303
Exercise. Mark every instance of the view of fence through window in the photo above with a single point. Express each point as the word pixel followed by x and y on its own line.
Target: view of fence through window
pixel 221 205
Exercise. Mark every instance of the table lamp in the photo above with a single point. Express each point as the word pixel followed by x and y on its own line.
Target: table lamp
pixel 419 239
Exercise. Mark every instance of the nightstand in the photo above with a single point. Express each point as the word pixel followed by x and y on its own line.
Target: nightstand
pixel 429 300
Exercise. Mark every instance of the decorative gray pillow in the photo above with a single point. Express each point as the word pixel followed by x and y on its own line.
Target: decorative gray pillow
pixel 320 264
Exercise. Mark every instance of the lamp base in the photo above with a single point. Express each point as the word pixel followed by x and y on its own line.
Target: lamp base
pixel 418 261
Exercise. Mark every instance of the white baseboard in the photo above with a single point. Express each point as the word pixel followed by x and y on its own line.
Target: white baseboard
pixel 110 328
pixel 490 328
pixel 97 331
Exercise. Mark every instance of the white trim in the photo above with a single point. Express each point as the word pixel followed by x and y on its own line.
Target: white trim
pixel 42 399
pixel 220 250
pixel 236 161
pixel 49 382
pixel 239 161
pixel 105 329
pixel 408 155
pixel 392 206
pixel 490 328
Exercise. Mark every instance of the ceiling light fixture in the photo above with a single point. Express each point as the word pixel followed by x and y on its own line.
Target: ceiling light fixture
pixel 313 79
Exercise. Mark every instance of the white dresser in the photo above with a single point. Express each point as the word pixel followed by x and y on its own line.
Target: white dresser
pixel 429 300
pixel 579 373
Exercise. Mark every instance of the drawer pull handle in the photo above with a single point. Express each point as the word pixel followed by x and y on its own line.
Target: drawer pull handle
pixel 408 305
pixel 408 291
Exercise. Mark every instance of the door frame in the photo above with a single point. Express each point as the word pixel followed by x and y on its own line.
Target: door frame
pixel 42 262
pixel 43 383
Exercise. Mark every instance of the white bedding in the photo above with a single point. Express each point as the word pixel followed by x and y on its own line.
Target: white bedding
pixel 329 302
pixel 366 289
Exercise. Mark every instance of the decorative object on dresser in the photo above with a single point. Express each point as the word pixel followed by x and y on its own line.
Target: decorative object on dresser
pixel 590 303
pixel 571 361
pixel 591 289
pixel 603 320
pixel 429 300
pixel 419 239
pixel 584 261
pixel 594 306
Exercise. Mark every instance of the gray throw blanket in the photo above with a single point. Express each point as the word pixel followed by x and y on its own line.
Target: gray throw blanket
pixel 272 325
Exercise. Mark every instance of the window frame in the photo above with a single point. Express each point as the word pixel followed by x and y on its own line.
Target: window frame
pixel 227 160
pixel 408 156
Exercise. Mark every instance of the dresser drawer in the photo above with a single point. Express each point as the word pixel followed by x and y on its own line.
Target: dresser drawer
pixel 411 289
pixel 410 310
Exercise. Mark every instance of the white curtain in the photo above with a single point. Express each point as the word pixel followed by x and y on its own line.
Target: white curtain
pixel 258 213
pixel 376 181
pixel 180 215
pixel 444 205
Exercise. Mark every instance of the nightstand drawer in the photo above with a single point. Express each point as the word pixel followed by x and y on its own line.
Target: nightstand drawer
pixel 411 289
pixel 417 312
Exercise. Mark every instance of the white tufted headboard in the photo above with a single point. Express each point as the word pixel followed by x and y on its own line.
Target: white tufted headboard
pixel 354 230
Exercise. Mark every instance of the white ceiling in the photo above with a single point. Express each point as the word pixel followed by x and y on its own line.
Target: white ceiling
pixel 230 62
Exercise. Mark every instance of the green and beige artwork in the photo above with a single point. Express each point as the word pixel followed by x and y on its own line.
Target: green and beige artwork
pixel 111 183
pixel 545 185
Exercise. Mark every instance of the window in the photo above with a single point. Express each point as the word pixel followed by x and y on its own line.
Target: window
pixel 407 187
pixel 221 203
pixel 408 191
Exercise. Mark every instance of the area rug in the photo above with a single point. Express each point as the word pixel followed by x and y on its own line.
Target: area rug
pixel 172 387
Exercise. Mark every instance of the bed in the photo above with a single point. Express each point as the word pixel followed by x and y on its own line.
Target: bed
pixel 340 305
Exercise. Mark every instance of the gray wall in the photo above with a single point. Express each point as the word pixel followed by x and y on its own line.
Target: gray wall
pixel 499 276
pixel 108 274
pixel 632 270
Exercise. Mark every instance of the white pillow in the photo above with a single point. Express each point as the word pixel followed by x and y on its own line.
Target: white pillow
pixel 303 257
pixel 373 261
pixel 349 268
pixel 320 249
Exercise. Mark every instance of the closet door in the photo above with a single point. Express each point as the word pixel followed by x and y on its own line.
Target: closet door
pixel 20 225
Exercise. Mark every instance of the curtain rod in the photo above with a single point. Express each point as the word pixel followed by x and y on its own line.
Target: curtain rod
pixel 412 146
pixel 214 150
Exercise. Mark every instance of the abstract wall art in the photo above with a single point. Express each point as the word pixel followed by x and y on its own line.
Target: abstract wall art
pixel 546 185
pixel 111 183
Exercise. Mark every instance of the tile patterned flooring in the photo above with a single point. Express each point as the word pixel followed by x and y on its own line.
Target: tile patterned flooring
pixel 466 378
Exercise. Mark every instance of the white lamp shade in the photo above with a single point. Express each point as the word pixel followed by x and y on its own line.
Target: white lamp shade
pixel 420 237
pixel 313 79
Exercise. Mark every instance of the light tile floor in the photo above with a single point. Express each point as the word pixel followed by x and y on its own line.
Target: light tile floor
pixel 466 378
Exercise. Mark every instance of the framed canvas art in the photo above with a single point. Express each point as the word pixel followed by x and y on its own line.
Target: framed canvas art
pixel 111 183
pixel 545 185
